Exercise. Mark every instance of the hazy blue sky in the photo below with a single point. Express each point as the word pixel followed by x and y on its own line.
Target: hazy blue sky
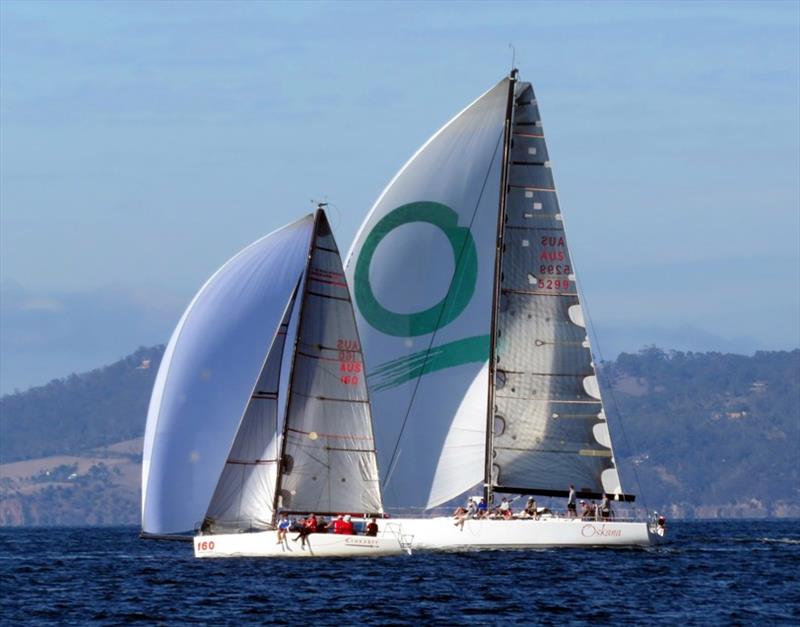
pixel 144 143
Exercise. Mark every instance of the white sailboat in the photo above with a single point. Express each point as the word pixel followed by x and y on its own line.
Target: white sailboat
pixel 480 369
pixel 260 406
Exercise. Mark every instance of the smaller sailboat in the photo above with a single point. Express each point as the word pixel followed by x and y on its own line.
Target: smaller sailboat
pixel 260 408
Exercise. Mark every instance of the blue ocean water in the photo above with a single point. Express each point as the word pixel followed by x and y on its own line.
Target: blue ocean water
pixel 711 573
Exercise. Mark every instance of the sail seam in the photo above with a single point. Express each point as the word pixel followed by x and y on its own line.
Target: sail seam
pixel 317 294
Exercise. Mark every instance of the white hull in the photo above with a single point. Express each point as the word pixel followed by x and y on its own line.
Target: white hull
pixel 443 534
pixel 265 544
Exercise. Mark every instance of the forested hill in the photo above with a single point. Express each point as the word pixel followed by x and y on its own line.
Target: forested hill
pixel 80 412
pixel 706 435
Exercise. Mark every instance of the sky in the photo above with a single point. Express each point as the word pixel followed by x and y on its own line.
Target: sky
pixel 142 144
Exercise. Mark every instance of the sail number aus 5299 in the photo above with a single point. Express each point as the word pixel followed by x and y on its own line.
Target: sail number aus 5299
pixel 554 284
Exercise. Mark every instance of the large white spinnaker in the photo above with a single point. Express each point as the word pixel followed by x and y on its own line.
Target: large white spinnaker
pixel 207 376
pixel 244 496
pixel 421 268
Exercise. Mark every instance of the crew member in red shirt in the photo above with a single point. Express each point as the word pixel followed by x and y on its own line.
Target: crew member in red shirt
pixel 347 526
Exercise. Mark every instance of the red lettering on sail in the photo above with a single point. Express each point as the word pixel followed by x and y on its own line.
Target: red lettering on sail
pixel 349 360
pixel 555 255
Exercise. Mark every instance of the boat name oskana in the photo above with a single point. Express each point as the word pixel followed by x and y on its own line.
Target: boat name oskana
pixel 589 531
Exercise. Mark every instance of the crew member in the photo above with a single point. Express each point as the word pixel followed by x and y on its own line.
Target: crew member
pixel 571 507
pixel 283 526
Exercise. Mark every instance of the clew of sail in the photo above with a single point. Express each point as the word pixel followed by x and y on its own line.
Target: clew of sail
pixel 208 373
pixel 421 268
pixel 549 428
pixel 329 460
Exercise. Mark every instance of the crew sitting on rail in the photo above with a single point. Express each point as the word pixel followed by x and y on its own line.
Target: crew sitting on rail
pixel 460 516
pixel 283 527
pixel 372 528
pixel 505 508
pixel 309 527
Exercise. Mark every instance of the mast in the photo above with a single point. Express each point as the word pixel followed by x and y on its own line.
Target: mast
pixel 498 260
pixel 301 313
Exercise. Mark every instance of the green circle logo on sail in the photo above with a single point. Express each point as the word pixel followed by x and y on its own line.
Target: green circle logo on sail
pixel 462 284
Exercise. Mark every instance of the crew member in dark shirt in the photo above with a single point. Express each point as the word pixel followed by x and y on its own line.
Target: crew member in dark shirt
pixel 372 528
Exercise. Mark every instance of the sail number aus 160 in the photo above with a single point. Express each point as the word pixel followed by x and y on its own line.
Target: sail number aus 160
pixel 205 545
pixel 349 365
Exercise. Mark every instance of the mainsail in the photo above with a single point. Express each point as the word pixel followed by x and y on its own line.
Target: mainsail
pixel 477 199
pixel 548 428
pixel 207 376
pixel 329 462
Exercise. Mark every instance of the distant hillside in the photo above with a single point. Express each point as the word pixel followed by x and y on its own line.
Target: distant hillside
pixel 707 435
pixel 80 412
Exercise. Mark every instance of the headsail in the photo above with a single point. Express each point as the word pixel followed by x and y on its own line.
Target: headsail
pixel 329 461
pixel 421 270
pixel 245 493
pixel 549 428
pixel 206 378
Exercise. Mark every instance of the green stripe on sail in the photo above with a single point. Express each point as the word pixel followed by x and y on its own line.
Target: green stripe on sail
pixel 398 371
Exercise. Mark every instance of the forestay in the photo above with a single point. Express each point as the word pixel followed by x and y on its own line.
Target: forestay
pixel 208 373
pixel 549 428
pixel 422 270
pixel 329 461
